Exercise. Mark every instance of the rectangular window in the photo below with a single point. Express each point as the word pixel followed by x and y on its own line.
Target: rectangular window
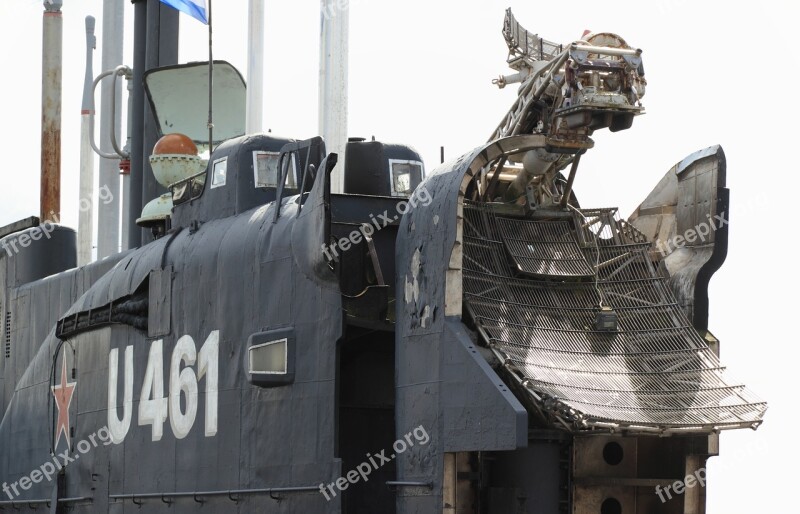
pixel 219 172
pixel 405 176
pixel 270 358
pixel 265 170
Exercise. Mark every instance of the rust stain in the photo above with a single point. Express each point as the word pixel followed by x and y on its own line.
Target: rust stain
pixel 50 192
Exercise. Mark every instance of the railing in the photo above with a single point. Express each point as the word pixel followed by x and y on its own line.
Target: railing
pixel 31 503
pixel 232 494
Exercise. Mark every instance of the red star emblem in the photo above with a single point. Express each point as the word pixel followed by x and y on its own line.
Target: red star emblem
pixel 63 395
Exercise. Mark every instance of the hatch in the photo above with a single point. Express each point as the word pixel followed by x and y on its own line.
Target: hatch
pixel 178 96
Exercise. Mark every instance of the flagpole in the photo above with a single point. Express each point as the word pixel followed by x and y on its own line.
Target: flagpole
pixel 210 84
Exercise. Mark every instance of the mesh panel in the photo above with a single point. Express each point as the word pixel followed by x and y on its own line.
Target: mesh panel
pixel 654 373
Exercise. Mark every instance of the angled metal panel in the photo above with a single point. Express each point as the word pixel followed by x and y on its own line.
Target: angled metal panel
pixel 160 303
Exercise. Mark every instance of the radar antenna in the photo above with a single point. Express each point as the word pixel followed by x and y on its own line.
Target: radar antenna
pixel 569 91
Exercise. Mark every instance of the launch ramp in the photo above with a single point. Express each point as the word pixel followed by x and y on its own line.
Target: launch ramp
pixel 535 305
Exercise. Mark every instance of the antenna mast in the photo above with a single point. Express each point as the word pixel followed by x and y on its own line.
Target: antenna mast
pixel 86 200
pixel 255 67
pixel 50 192
pixel 333 76
pixel 109 177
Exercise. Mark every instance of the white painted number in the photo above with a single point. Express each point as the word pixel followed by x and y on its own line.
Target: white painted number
pixel 182 380
pixel 154 412
pixel 154 408
pixel 209 367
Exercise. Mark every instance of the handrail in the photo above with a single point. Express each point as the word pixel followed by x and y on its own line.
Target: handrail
pixel 42 501
pixel 119 71
pixel 91 118
pixel 398 484
pixel 229 493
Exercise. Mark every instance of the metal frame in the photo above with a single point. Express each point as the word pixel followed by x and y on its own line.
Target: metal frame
pixel 261 339
pixel 285 371
pixel 213 171
pixel 256 154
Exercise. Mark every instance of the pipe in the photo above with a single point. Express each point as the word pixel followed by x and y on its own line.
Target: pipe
pixel 161 50
pixel 137 123
pixel 119 71
pixel 125 171
pixel 333 82
pixel 516 78
pixel 118 153
pixel 44 501
pixel 110 103
pixel 230 493
pixel 211 83
pixel 98 149
pixel 255 67
pixel 86 195
pixel 604 50
pixel 50 192
pixel 398 484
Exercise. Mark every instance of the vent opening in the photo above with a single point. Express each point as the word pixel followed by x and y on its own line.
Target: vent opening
pixel 8 335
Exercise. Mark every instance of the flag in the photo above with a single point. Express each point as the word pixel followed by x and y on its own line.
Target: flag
pixel 194 8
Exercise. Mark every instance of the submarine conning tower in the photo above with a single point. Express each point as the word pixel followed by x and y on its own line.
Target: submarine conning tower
pixel 243 173
pixel 375 168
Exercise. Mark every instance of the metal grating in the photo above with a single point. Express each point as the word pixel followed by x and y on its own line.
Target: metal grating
pixel 654 374
pixel 526 45
pixel 544 249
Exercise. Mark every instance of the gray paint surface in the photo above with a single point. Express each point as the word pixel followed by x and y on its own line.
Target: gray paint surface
pixel 239 275
pixel 230 266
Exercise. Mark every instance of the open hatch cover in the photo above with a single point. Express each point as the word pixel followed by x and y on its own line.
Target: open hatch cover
pixel 178 96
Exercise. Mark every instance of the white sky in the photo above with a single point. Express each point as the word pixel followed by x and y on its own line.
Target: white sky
pixel 420 73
